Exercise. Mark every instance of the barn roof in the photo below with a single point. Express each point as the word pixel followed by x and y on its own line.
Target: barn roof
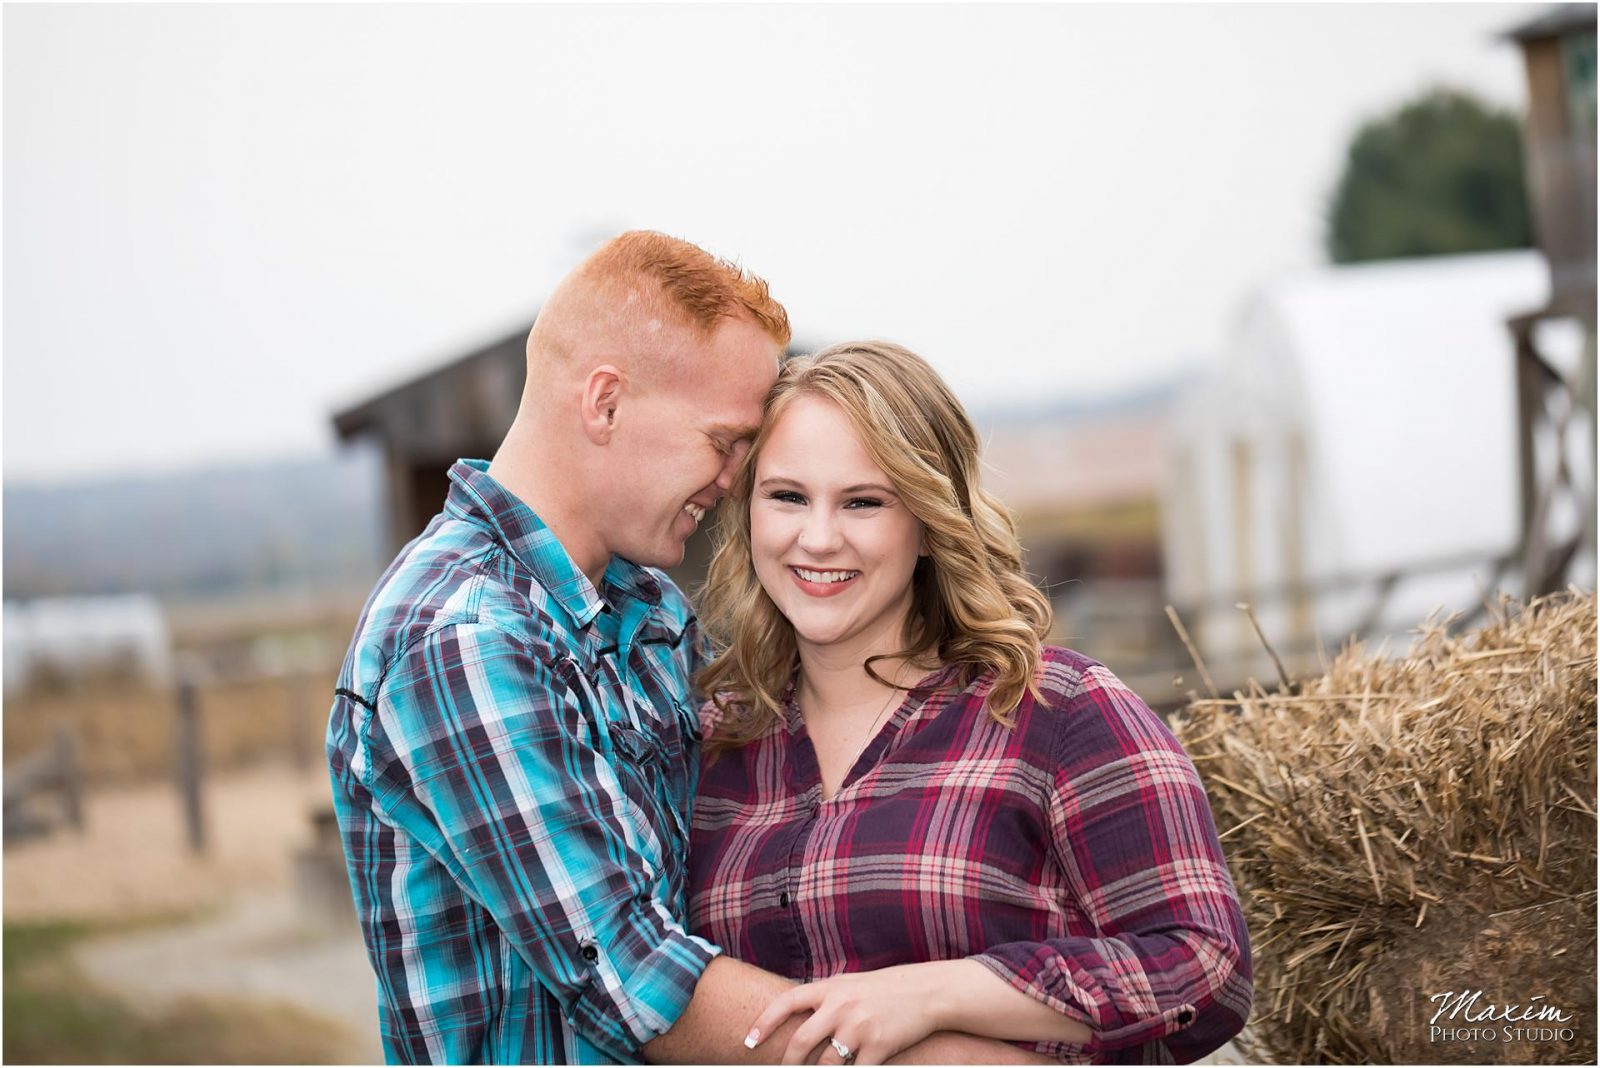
pixel 1554 22
pixel 386 411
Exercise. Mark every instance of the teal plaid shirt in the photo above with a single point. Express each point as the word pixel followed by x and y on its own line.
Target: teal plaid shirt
pixel 513 756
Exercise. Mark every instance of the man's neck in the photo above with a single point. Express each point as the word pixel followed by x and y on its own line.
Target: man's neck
pixel 523 469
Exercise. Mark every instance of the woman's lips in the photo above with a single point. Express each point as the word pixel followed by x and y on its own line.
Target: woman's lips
pixel 832 587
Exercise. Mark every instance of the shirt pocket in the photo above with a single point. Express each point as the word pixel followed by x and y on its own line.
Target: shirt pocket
pixel 656 680
pixel 644 768
pixel 676 753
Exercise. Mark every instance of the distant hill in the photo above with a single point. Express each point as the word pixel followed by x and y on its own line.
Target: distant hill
pixel 315 522
pixel 310 523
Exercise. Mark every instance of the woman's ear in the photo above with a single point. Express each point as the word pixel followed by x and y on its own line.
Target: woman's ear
pixel 602 392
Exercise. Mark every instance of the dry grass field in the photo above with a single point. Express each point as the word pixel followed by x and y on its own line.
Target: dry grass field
pixel 127 733
pixel 266 669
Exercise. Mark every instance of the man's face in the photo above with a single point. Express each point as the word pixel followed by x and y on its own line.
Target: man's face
pixel 682 439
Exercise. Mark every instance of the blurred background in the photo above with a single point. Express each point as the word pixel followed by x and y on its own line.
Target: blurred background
pixel 1290 306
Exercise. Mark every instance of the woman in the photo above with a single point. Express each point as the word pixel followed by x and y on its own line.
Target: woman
pixel 910 802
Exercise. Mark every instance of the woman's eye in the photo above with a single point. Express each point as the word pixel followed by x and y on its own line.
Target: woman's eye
pixel 864 502
pixel 788 497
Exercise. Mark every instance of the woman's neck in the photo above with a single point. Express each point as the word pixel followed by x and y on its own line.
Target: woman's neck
pixel 830 685
pixel 834 679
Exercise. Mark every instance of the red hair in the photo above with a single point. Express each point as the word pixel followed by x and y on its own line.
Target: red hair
pixel 703 287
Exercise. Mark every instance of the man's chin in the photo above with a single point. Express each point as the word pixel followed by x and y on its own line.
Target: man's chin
pixel 662 556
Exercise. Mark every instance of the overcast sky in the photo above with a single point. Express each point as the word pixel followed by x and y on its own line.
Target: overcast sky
pixel 224 223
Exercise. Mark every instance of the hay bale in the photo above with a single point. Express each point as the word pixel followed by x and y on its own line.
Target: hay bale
pixel 1405 828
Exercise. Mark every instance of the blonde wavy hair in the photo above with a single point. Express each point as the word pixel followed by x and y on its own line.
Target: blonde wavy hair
pixel 971 603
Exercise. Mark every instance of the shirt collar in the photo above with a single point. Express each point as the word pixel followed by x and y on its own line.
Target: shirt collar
pixel 476 497
pixel 631 580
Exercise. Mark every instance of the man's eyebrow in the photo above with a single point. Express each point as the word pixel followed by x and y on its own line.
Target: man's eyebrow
pixel 738 432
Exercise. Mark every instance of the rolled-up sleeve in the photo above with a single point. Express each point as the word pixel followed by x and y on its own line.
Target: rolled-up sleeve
pixel 1133 832
pixel 505 778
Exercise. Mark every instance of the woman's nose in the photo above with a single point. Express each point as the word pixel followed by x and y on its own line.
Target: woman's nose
pixel 820 534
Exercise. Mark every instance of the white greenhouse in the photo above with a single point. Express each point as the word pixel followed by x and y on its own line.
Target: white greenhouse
pixel 1351 464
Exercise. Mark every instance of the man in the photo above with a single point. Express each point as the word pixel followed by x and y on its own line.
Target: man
pixel 513 743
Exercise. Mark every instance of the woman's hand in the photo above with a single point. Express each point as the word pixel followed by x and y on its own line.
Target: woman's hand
pixel 872 1014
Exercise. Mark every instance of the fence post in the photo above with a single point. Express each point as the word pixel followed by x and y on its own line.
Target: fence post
pixel 70 776
pixel 297 688
pixel 191 768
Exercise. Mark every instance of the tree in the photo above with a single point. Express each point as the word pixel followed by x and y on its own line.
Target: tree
pixel 1441 175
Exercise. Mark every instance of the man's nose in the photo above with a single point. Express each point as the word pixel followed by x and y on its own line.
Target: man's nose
pixel 730 465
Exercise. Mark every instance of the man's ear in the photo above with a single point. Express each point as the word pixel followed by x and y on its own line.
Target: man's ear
pixel 602 391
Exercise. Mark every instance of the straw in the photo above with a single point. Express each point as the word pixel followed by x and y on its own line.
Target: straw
pixel 1408 826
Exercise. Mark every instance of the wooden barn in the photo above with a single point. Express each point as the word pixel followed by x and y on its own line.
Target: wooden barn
pixel 460 409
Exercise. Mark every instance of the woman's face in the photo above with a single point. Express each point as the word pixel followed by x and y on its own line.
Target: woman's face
pixel 833 545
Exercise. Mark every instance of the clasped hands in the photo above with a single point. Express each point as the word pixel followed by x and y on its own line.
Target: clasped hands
pixel 872 1015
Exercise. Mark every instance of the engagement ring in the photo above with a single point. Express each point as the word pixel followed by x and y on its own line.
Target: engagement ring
pixel 845 1053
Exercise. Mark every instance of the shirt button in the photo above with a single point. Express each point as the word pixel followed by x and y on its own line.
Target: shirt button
pixel 589 951
pixel 783 900
pixel 1185 1016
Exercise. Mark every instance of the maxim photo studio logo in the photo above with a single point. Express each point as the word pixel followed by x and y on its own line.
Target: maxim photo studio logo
pixel 1468 1016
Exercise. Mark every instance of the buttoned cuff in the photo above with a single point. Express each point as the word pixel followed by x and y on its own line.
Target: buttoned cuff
pixel 639 982
pixel 1043 976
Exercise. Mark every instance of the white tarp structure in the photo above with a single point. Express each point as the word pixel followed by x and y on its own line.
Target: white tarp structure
pixel 1362 423
pixel 76 637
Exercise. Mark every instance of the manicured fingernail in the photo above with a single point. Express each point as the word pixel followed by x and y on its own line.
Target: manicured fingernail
pixel 752 1038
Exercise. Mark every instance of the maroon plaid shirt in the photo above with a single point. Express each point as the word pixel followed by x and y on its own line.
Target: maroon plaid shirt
pixel 1074 855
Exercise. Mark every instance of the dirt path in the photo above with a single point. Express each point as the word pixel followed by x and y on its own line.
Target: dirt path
pixel 242 930
pixel 259 949
pixel 132 860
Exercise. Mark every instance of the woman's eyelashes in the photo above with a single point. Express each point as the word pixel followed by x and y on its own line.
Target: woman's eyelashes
pixel 853 503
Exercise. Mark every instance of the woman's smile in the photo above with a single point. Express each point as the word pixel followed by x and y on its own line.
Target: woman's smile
pixel 823 583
